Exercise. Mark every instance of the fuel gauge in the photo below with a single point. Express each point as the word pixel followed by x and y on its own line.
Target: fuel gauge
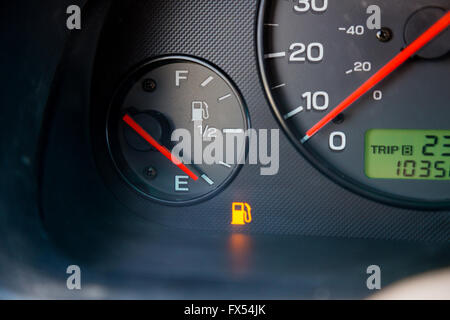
pixel 154 101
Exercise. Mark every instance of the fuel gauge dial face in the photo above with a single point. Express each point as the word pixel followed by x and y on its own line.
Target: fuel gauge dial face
pixel 158 101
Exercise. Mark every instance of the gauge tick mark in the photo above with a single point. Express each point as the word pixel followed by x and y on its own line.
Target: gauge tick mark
pixel 224 164
pixel 278 86
pixel 207 179
pixel 224 97
pixel 233 131
pixel 207 81
pixel 293 112
pixel 275 55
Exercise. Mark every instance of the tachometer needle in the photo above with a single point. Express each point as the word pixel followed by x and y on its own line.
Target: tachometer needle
pixel 147 137
pixel 385 71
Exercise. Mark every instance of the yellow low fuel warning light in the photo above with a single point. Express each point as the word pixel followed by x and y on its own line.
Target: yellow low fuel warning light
pixel 241 213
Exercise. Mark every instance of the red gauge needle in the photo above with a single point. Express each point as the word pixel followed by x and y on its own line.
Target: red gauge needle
pixel 385 71
pixel 144 134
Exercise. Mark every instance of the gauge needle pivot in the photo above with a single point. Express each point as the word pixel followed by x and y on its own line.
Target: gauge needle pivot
pixel 147 137
pixel 385 71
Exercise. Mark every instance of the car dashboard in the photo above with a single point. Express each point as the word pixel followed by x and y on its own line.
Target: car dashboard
pixel 84 183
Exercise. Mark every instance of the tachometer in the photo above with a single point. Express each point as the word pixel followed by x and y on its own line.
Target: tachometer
pixel 362 88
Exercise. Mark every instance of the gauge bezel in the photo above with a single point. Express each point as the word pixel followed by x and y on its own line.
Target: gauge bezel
pixel 110 133
pixel 318 163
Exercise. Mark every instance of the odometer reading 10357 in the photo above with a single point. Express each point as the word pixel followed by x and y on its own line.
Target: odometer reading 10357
pixel 361 87
pixel 408 154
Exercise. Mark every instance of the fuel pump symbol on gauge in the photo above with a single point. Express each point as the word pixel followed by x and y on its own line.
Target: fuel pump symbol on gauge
pixel 200 111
